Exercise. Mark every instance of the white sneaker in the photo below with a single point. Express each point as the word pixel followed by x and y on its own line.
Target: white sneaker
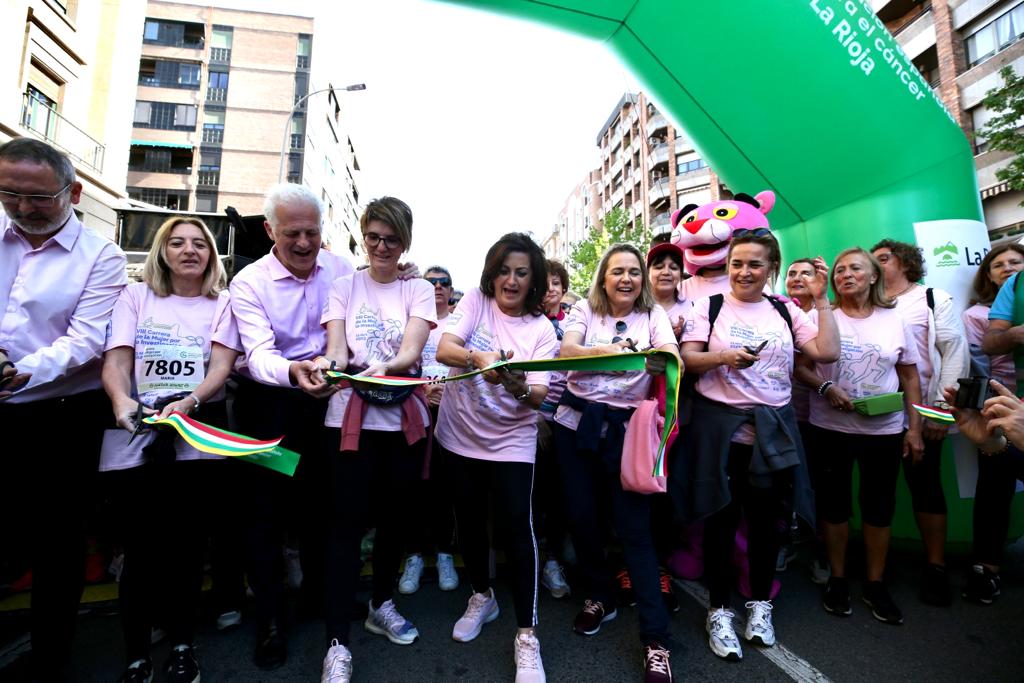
pixel 293 568
pixel 553 578
pixel 529 667
pixel 447 577
pixel 229 620
pixel 721 636
pixel 759 623
pixel 386 621
pixel 410 581
pixel 337 664
pixel 482 609
pixel 820 571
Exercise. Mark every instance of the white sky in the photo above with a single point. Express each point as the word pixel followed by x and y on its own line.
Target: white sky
pixel 482 123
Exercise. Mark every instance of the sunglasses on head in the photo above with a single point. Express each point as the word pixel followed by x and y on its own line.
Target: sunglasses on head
pixel 620 328
pixel 756 232
pixel 443 281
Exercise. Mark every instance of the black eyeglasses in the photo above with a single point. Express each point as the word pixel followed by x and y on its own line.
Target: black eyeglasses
pixel 620 328
pixel 756 232
pixel 372 239
pixel 443 281
pixel 40 201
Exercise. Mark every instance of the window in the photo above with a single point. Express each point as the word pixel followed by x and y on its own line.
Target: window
pixel 40 113
pixel 165 115
pixel 206 201
pixel 175 200
pixel 160 159
pixel 995 36
pixel 690 166
pixel 163 73
pixel 209 167
pixel 298 134
pixel 217 91
pixel 220 44
pixel 174 33
pixel 143 112
pixel 213 126
pixel 301 86
pixel 303 52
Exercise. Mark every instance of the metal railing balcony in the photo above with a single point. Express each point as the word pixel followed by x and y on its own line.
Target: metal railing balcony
pixel 658 191
pixel 208 178
pixel 656 123
pixel 38 117
pixel 660 220
pixel 216 94
pixel 213 135
pixel 221 55
pixel 160 168
pixel 156 82
pixel 302 62
pixel 658 155
pixel 297 140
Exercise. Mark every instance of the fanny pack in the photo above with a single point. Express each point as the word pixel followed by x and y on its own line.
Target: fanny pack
pixel 382 395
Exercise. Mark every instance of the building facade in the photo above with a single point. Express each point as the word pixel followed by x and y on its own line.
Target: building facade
pixel 220 115
pixel 63 83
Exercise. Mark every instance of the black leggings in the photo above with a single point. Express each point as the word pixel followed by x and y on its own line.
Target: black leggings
pixel 924 479
pixel 548 498
pixel 761 507
pixel 369 487
pixel 506 488
pixel 433 527
pixel 997 482
pixel 833 454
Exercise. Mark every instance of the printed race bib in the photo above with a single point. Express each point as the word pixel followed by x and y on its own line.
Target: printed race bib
pixel 167 370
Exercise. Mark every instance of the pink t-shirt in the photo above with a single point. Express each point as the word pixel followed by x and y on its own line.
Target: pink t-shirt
pixel 481 420
pixel 431 368
pixel 913 306
pixel 616 389
pixel 172 337
pixel 870 349
pixel 680 309
pixel 557 378
pixel 375 316
pixel 698 287
pixel 976 324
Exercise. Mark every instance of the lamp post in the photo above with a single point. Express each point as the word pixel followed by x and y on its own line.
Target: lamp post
pixel 295 107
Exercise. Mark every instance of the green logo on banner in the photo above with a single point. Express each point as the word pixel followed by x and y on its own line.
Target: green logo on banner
pixel 947 254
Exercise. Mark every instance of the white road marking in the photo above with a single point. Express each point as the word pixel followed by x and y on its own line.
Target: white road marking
pixel 791 664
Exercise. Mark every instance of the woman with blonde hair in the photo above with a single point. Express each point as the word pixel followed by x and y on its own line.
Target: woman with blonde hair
pixel 171 345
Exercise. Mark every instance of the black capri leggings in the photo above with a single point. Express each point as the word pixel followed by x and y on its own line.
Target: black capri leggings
pixel 925 479
pixel 878 460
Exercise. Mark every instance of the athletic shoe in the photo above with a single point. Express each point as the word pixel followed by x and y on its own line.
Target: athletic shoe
pixel 656 667
pixel 293 568
pixel 229 620
pixel 626 595
pixel 386 621
pixel 139 671
pixel 759 629
pixel 982 585
pixel 337 664
pixel 836 596
pixel 786 553
pixel 588 621
pixel 721 636
pixel 876 596
pixel 182 666
pixel 529 667
pixel 820 571
pixel 553 578
pixel 410 581
pixel 447 577
pixel 271 647
pixel 482 609
pixel 934 589
pixel 668 595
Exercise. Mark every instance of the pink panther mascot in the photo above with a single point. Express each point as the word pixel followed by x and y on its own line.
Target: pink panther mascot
pixel 704 233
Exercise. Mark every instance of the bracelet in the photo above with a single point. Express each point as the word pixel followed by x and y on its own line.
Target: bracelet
pixel 194 398
pixel 469 360
pixel 526 394
pixel 721 360
pixel 826 307
pixel 824 387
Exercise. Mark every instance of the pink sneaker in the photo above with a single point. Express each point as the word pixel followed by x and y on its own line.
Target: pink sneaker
pixel 482 609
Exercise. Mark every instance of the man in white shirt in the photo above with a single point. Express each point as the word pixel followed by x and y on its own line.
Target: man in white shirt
pixel 58 284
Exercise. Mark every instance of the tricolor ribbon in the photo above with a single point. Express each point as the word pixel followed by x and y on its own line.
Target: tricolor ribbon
pixel 934 413
pixel 615 362
pixel 216 441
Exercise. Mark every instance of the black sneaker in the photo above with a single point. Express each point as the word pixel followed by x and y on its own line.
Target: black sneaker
pixel 934 588
pixel 836 596
pixel 667 594
pixel 139 671
pixel 626 595
pixel 182 666
pixel 588 621
pixel 271 647
pixel 876 596
pixel 982 585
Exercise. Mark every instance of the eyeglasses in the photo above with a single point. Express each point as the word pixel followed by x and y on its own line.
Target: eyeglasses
pixel 756 232
pixel 443 281
pixel 620 328
pixel 40 201
pixel 565 306
pixel 372 239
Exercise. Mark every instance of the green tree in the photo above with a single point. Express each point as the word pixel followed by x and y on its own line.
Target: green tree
pixel 1003 132
pixel 586 254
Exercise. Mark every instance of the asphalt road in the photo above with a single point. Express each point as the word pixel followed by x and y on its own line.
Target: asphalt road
pixel 962 643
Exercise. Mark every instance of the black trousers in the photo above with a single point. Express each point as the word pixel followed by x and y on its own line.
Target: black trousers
pixel 997 482
pixel 548 500
pixel 371 486
pixel 433 528
pixel 274 504
pixel 51 454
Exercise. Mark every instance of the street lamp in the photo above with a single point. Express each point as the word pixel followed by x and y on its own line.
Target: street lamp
pixel 295 108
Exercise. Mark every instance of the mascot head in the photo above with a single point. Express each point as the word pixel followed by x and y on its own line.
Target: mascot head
pixel 704 232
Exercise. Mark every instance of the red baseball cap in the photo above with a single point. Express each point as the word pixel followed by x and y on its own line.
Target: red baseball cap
pixel 665 247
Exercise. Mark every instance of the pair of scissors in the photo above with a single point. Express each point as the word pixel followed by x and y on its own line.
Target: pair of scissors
pixel 139 424
pixel 756 350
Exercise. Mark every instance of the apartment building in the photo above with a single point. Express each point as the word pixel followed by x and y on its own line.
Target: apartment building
pixel 221 114
pixel 960 46
pixel 581 211
pixel 62 84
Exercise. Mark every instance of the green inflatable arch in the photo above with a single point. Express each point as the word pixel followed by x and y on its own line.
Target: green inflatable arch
pixel 812 99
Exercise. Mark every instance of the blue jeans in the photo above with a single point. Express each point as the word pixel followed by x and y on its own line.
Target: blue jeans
pixel 592 490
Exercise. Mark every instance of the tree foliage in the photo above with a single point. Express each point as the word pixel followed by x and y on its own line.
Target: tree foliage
pixel 1003 132
pixel 586 254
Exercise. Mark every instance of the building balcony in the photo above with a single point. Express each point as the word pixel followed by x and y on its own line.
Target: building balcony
pixel 917 35
pixel 302 62
pixel 151 179
pixel 659 191
pixel 220 55
pixel 658 155
pixel 45 123
pixel 296 141
pixel 656 123
pixel 213 136
pixel 217 95
pixel 660 221
pixel 208 178
pixel 155 82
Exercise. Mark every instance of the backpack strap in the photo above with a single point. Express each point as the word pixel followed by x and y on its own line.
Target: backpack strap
pixel 782 311
pixel 929 294
pixel 715 302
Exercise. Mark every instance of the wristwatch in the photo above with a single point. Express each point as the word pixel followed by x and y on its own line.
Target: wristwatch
pixel 526 394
